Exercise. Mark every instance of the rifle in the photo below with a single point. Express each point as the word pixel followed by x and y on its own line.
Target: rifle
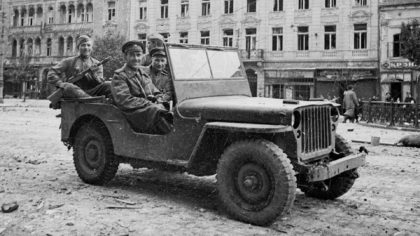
pixel 58 94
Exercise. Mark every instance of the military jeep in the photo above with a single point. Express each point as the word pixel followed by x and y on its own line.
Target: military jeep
pixel 261 149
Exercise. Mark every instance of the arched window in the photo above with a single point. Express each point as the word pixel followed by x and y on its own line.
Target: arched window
pixel 89 12
pixel 49 47
pixel 69 45
pixel 31 16
pixel 50 15
pixel 22 16
pixel 14 48
pixel 16 18
pixel 37 51
pixel 21 47
pixel 30 46
pixel 39 13
pixel 63 14
pixel 71 14
pixel 80 13
pixel 61 46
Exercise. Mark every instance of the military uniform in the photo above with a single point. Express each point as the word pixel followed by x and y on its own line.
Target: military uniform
pixel 130 88
pixel 59 74
pixel 162 81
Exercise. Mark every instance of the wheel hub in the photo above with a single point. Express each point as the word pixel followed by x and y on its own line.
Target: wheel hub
pixel 93 153
pixel 253 183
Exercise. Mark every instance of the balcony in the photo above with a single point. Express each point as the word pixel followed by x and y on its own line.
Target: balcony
pixel 252 55
pixel 360 53
pixel 302 54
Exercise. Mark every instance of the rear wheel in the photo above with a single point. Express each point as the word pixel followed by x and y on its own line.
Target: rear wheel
pixel 338 185
pixel 256 182
pixel 93 154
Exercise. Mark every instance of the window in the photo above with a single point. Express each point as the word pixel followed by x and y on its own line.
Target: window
pixel 329 37
pixel 397 46
pixel 360 2
pixel 303 38
pixel 183 37
pixel 360 36
pixel 184 8
pixel 165 37
pixel 111 10
pixel 277 39
pixel 143 10
pixel 14 48
pixel 228 6
pixel 303 4
pixel 330 3
pixel 250 39
pixel 205 7
pixel 142 39
pixel 31 16
pixel 205 37
pixel 49 50
pixel 228 37
pixel 50 15
pixel 71 14
pixel 89 12
pixel 278 5
pixel 69 48
pixel 163 9
pixel 251 5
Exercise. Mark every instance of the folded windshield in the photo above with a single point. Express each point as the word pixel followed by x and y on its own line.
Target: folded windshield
pixel 205 64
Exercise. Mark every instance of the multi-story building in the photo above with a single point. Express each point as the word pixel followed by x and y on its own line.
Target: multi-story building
pixel 291 49
pixel 42 33
pixel 2 31
pixel 397 74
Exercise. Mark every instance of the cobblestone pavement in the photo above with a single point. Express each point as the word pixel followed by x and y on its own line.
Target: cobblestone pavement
pixel 37 171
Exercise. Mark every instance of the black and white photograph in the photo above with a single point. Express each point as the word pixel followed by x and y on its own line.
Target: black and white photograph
pixel 209 117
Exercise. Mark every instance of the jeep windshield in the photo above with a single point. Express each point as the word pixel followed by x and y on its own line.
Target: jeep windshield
pixel 205 64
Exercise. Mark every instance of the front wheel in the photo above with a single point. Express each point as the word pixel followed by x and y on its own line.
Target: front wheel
pixel 93 154
pixel 256 182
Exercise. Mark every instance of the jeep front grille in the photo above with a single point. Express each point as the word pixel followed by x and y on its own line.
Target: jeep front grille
pixel 315 128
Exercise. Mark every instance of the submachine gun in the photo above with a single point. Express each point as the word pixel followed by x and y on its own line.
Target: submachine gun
pixel 56 96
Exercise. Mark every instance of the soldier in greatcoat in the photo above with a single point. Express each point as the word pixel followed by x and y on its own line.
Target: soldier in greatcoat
pixel 160 77
pixel 154 40
pixel 131 87
pixel 93 84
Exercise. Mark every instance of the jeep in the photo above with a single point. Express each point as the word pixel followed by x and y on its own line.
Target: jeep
pixel 260 149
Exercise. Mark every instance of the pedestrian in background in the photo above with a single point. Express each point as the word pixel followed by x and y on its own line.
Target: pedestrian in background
pixel 350 103
pixel 153 41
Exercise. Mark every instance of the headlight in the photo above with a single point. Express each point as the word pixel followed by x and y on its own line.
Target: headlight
pixel 296 119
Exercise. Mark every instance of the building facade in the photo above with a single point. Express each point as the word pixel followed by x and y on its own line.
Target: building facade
pixel 396 73
pixel 291 49
pixel 2 34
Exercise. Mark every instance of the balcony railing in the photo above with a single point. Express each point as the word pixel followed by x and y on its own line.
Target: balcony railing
pixel 391 113
pixel 360 53
pixel 44 60
pixel 252 55
pixel 321 54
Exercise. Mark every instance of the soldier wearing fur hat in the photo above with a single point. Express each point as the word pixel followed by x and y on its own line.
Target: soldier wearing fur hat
pixel 131 90
pixel 92 84
pixel 154 40
pixel 160 77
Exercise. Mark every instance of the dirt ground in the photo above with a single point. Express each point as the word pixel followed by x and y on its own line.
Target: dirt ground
pixel 37 171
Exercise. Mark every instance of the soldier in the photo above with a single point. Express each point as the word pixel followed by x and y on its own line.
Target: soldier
pixel 153 41
pixel 160 77
pixel 131 86
pixel 92 85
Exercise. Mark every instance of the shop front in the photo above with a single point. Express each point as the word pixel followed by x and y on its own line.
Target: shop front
pixel 289 84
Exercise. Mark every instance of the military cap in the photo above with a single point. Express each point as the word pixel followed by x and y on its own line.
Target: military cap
pixel 133 46
pixel 158 52
pixel 155 36
pixel 82 39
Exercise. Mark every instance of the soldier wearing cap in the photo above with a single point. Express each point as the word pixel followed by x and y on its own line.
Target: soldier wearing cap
pixel 153 41
pixel 160 77
pixel 131 87
pixel 92 84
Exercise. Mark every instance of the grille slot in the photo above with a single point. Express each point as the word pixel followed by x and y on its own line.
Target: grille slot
pixel 316 128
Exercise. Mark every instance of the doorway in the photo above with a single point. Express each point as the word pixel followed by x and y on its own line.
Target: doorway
pixel 396 89
pixel 252 80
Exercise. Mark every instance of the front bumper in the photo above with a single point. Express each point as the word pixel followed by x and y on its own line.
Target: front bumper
pixel 327 171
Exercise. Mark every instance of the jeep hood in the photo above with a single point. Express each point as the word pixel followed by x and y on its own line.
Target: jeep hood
pixel 241 109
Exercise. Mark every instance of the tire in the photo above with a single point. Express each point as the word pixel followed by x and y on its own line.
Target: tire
pixel 93 154
pixel 255 181
pixel 338 185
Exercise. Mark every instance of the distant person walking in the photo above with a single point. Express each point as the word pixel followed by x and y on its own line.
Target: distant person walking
pixel 350 103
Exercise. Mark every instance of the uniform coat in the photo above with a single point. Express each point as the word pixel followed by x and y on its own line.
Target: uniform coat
pixel 162 81
pixel 350 103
